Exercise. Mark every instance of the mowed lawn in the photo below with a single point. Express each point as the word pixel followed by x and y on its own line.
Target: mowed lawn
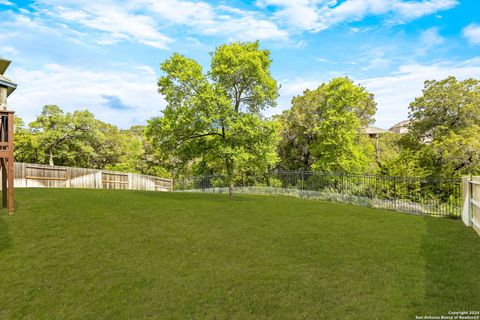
pixel 106 254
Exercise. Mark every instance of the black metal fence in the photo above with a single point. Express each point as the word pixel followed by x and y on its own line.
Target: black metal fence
pixel 429 196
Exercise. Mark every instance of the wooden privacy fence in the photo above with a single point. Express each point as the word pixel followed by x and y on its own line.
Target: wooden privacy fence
pixel 29 175
pixel 471 202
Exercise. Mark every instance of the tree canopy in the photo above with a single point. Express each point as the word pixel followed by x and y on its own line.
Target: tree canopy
pixel 217 115
pixel 325 128
pixel 444 127
pixel 79 139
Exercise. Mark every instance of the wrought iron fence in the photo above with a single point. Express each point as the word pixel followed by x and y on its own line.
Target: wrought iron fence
pixel 429 196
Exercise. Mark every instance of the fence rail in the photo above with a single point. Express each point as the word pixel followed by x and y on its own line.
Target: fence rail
pixel 29 175
pixel 435 197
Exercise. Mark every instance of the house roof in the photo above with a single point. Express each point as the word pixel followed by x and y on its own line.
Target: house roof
pixel 374 130
pixel 403 123
pixel 4 63
pixel 4 81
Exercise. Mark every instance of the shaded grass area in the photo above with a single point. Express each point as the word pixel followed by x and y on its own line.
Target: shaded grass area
pixel 106 254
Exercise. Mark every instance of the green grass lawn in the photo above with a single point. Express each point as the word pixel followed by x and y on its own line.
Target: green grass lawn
pixel 101 254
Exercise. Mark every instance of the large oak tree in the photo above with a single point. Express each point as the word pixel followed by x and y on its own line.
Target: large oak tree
pixel 217 114
pixel 325 129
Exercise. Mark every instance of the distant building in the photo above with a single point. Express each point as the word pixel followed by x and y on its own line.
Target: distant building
pixel 374 132
pixel 401 127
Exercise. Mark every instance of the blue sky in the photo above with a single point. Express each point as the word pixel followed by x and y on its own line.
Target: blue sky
pixel 104 55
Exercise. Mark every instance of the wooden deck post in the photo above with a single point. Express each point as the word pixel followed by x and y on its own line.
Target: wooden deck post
pixel 10 164
pixel 11 193
pixel 6 138
pixel 3 165
pixel 6 159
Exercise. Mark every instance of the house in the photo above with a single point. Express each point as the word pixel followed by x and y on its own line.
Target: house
pixel 374 132
pixel 401 127
pixel 6 85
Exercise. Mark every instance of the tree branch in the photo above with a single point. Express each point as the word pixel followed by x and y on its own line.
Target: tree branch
pixel 202 135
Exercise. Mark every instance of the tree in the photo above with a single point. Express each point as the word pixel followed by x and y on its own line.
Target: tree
pixel 217 114
pixel 64 136
pixel 444 127
pixel 296 130
pixel 78 139
pixel 106 142
pixel 394 160
pixel 445 106
pixel 27 148
pixel 135 154
pixel 324 128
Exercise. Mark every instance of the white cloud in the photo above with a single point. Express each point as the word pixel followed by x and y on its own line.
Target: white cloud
pixel 300 14
pixel 375 58
pixel 431 37
pixel 179 11
pixel 74 88
pixel 472 33
pixel 21 26
pixel 6 3
pixel 246 28
pixel 10 51
pixel 117 23
pixel 320 59
pixel 317 15
pixel 147 21
pixel 416 9
pixel 221 20
pixel 24 22
pixel 393 92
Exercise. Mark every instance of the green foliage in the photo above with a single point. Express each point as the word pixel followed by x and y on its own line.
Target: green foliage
pixel 78 139
pixel 395 160
pixel 65 137
pixel 445 106
pixel 324 129
pixel 458 152
pixel 242 71
pixel 27 147
pixel 444 132
pixel 214 118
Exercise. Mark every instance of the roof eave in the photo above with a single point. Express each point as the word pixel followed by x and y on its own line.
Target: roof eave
pixel 10 86
pixel 4 63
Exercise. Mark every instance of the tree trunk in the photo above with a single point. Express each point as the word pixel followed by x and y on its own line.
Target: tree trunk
pixel 229 164
pixel 50 158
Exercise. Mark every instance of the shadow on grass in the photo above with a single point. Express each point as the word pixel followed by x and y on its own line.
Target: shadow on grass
pixel 451 255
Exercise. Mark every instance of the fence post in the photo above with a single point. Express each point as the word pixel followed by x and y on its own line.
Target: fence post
pixel 68 176
pixel 98 179
pixel 130 182
pixel 467 201
pixel 395 192
pixel 302 178
pixel 343 183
